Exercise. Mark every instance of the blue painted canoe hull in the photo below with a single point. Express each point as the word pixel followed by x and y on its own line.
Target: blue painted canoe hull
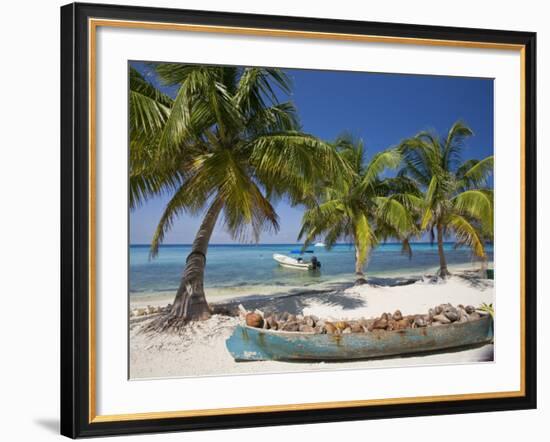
pixel 253 344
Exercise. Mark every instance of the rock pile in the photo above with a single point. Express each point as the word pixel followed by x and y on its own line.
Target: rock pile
pixel 439 315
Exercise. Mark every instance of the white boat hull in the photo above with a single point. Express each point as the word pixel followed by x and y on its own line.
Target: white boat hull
pixel 291 263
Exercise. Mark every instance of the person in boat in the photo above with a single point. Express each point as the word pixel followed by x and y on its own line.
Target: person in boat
pixel 315 264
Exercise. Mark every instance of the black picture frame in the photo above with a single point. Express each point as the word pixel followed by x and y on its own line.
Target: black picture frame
pixel 75 247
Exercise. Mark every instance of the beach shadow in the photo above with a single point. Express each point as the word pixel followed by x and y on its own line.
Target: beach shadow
pixel 51 425
pixel 335 286
pixel 475 281
pixel 391 282
pixel 296 302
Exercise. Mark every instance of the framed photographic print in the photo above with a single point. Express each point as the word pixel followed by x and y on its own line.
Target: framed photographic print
pixel 279 220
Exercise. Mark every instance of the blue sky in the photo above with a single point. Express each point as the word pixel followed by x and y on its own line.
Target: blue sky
pixel 381 109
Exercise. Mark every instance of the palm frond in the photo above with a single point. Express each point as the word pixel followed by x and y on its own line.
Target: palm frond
pixel 179 202
pixel 387 159
pixel 292 162
pixel 149 108
pixel 255 89
pixel 148 184
pixel 467 234
pixel 477 204
pixel 244 204
pixel 431 191
pixel 454 143
pixel 419 159
pixel 281 117
pixel 392 212
pixel 475 173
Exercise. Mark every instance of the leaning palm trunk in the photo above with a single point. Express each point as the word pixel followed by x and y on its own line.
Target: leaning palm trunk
pixel 484 266
pixel 190 301
pixel 359 266
pixel 443 270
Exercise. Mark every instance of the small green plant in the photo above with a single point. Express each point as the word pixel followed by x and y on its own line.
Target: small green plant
pixel 487 308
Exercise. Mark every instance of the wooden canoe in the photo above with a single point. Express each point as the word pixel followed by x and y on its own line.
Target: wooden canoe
pixel 254 344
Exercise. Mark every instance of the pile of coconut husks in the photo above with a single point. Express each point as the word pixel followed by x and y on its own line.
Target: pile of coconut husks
pixel 439 315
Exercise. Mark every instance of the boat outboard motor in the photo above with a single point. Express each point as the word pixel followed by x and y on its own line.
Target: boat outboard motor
pixel 315 263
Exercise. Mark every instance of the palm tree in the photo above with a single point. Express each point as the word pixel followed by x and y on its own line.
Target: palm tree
pixel 456 197
pixel 225 146
pixel 363 208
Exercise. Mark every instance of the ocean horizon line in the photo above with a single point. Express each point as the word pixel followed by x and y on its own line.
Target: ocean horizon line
pixel 280 244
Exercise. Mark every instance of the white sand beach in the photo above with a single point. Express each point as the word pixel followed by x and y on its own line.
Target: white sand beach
pixel 200 350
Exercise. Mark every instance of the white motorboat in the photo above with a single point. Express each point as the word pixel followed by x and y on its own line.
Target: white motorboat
pixel 319 244
pixel 296 263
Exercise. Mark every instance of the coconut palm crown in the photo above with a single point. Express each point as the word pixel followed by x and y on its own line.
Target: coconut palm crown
pixel 363 208
pixel 456 197
pixel 224 147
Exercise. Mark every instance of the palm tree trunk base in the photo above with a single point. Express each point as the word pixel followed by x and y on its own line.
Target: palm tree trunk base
pixel 361 281
pixel 187 308
pixel 166 323
pixel 443 273
pixel 169 322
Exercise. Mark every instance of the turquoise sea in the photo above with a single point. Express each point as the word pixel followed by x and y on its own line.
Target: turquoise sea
pixel 250 269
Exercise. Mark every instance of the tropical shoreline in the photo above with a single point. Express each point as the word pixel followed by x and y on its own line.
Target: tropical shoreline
pixel 200 349
pixel 222 294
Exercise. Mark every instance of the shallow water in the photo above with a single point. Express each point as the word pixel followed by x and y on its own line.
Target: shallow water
pixel 250 269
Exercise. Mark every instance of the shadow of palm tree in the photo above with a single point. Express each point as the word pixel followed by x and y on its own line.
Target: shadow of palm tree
pixel 296 302
pixel 391 282
pixel 475 281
